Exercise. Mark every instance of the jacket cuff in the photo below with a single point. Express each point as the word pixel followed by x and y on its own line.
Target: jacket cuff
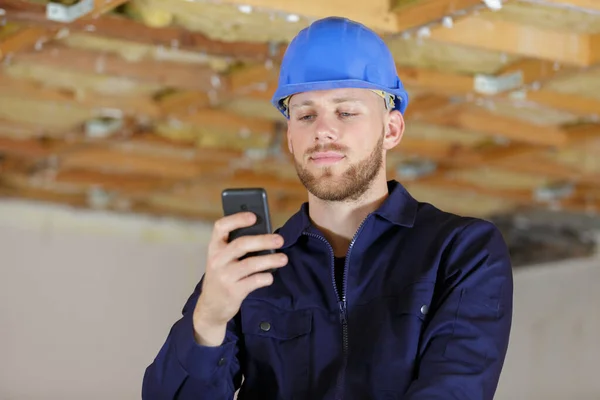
pixel 202 362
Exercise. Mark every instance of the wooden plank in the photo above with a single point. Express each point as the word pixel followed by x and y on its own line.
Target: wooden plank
pixel 169 74
pixel 436 81
pixel 28 37
pixel 578 105
pixel 414 13
pixel 23 88
pixel 538 165
pixel 479 120
pixel 589 5
pixel 220 121
pixel 535 70
pixel 19 130
pixel 435 150
pixel 518 196
pixel 183 102
pixel 531 71
pixel 583 133
pixel 126 29
pixel 529 41
pixel 423 106
pixel 125 183
pixel 256 81
pixel 10 190
pixel 31 148
pixel 582 199
pixel 374 13
pixel 102 7
pixel 128 162
pixel 24 39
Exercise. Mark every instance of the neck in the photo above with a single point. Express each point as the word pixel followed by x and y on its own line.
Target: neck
pixel 339 221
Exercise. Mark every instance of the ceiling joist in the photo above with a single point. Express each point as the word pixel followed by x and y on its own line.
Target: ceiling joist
pixel 503 105
pixel 575 49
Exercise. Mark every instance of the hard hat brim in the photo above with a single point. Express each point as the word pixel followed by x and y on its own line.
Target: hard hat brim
pixel 289 90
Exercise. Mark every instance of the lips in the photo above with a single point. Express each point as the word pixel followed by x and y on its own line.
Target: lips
pixel 326 157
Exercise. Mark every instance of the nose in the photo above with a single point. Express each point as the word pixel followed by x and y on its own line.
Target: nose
pixel 325 130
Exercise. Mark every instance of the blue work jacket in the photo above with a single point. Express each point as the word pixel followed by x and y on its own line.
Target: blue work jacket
pixel 424 313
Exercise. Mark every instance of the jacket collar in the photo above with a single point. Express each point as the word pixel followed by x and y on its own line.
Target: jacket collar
pixel 400 208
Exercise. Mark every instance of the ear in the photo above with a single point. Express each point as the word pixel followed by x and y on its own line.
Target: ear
pixel 394 129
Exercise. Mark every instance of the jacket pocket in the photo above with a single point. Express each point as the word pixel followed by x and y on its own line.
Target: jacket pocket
pixel 415 300
pixel 277 344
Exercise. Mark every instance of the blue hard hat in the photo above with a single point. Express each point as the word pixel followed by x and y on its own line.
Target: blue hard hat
pixel 335 53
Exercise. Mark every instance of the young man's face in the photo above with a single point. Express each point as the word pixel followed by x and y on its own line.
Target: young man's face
pixel 339 138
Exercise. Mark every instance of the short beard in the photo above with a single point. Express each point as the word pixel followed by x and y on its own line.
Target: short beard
pixel 351 185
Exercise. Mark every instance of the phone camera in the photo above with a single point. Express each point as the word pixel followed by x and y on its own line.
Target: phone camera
pixel 244 207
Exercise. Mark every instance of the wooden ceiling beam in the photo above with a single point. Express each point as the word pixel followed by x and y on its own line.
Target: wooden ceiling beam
pixel 183 102
pixel 532 70
pixel 258 82
pixel 23 39
pixel 529 41
pixel 31 148
pixel 541 166
pixel 518 196
pixel 110 160
pixel 414 13
pixel 476 119
pixel 221 122
pixel 103 7
pixel 572 103
pixel 374 13
pixel 581 200
pixel 122 28
pixel 129 105
pixel 28 37
pixel 166 73
pixel 436 150
pixel 132 184
pixel 436 81
pixel 591 5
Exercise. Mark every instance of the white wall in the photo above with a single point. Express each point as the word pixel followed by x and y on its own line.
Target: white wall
pixel 86 300
pixel 555 343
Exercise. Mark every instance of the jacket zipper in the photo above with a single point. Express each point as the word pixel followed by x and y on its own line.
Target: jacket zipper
pixel 342 302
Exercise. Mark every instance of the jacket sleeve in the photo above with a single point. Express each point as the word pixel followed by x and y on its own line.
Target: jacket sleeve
pixel 466 337
pixel 185 370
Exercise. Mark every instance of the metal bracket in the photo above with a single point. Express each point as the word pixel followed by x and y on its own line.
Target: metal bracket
pixel 554 192
pixel 493 5
pixel 414 169
pixel 486 84
pixel 62 13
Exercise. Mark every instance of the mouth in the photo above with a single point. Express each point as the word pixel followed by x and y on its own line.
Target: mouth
pixel 326 158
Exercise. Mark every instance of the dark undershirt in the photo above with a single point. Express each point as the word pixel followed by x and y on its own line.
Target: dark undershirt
pixel 339 274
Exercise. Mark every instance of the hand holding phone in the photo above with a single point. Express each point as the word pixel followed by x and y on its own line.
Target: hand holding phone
pixel 241 254
pixel 252 200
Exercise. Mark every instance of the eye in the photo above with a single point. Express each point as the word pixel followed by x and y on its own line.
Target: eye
pixel 306 117
pixel 346 114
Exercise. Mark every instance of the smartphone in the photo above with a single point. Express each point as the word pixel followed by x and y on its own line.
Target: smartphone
pixel 255 200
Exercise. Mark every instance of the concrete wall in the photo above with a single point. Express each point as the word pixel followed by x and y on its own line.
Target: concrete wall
pixel 86 299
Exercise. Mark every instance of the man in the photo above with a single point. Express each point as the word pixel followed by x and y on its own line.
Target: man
pixel 375 295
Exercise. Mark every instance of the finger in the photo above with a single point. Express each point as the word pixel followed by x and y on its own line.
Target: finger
pixel 257 264
pixel 252 243
pixel 225 225
pixel 253 282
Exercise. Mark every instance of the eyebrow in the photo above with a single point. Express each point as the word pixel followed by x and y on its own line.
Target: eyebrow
pixel 336 100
